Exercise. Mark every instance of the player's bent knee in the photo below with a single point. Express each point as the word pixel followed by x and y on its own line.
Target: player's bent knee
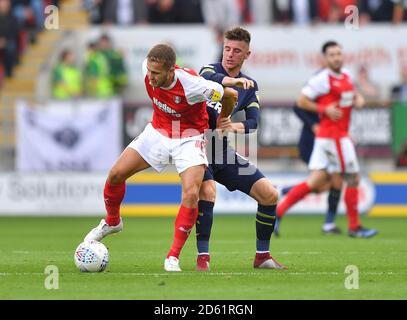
pixel 268 197
pixel 352 179
pixel 207 193
pixel 273 195
pixel 115 176
pixel 190 197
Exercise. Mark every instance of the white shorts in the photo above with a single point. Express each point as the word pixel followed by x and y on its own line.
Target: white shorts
pixel 159 151
pixel 334 155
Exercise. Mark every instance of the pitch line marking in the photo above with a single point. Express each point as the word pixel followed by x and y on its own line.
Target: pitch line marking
pixel 189 273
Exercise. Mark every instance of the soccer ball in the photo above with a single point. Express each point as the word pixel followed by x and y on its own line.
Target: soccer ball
pixel 91 256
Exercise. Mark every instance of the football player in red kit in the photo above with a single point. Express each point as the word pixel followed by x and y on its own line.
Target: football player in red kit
pixel 176 133
pixel 331 93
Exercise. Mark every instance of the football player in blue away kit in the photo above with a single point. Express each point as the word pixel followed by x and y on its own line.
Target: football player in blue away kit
pixel 305 146
pixel 231 173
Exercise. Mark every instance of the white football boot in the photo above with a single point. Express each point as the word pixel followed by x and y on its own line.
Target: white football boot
pixel 171 264
pixel 102 230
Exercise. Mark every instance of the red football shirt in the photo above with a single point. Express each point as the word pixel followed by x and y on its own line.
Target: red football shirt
pixel 180 109
pixel 326 87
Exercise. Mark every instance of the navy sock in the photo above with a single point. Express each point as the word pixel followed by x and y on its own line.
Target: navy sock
pixel 265 221
pixel 286 190
pixel 204 225
pixel 333 201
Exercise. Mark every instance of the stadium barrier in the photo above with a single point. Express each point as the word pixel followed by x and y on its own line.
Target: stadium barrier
pixel 152 194
pixel 391 194
pixel 279 128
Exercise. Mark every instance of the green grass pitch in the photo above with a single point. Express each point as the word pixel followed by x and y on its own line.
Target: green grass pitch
pixel 316 263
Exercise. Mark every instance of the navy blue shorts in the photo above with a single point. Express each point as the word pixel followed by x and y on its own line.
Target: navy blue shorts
pixel 230 175
pixel 305 146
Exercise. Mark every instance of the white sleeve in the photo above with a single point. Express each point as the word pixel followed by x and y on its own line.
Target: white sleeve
pixel 144 68
pixel 349 74
pixel 198 89
pixel 317 86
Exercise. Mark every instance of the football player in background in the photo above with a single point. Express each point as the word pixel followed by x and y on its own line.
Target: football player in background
pixel 331 93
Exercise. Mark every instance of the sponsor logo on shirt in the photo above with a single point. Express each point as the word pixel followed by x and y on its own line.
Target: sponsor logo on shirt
pixel 163 107
pixel 346 99
pixel 177 99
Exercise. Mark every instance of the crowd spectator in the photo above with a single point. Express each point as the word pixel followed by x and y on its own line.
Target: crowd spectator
pixel 115 60
pixel 9 31
pixel 261 11
pixel 103 75
pixel 304 12
pixel 399 92
pixel 164 11
pixel 221 14
pixel 379 10
pixel 300 12
pixel 124 12
pixel 98 83
pixel 66 77
pixel 333 11
pixel 400 11
pixel 96 9
pixel 30 15
pixel 192 11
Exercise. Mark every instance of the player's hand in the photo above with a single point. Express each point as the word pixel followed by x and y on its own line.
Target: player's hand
pixel 224 124
pixel 238 82
pixel 315 128
pixel 333 112
pixel 359 101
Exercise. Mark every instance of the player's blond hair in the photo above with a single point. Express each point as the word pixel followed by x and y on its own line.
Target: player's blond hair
pixel 162 53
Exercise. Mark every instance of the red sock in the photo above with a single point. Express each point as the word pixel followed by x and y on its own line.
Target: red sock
pixel 114 195
pixel 184 222
pixel 293 196
pixel 351 201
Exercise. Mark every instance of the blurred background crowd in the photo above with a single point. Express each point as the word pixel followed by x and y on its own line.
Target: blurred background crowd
pixel 37 63
pixel 125 12
pixel 21 20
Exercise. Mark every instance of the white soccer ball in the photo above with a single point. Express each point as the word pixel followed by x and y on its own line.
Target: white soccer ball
pixel 91 256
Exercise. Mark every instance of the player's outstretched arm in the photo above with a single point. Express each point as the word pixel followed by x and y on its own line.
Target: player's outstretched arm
pixel 238 82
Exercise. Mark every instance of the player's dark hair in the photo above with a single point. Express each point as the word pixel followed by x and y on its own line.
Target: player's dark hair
pixel 162 53
pixel 238 34
pixel 328 45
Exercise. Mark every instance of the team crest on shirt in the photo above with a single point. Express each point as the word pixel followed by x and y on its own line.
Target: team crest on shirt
pixel 177 99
